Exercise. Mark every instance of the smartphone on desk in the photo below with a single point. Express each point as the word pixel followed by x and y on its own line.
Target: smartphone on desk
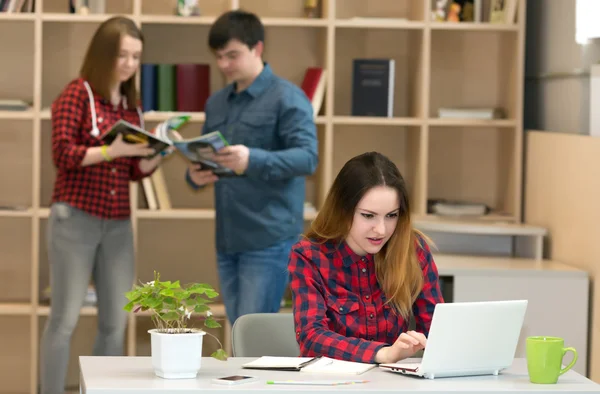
pixel 235 379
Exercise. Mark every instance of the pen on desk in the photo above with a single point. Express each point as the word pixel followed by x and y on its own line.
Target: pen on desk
pixel 317 382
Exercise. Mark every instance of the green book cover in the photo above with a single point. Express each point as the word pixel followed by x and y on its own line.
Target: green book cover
pixel 167 93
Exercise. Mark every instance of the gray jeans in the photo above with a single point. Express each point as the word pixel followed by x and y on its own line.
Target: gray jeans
pixel 80 247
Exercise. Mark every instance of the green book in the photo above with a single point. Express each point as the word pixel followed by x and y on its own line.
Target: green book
pixel 167 87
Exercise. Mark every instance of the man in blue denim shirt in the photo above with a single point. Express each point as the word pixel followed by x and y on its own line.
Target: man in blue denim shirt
pixel 269 123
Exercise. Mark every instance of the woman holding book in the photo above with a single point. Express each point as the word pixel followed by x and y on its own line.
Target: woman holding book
pixel 362 270
pixel 89 228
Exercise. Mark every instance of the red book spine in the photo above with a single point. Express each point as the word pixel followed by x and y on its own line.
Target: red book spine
pixel 193 87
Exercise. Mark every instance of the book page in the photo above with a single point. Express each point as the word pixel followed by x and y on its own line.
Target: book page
pixel 329 365
pixel 278 362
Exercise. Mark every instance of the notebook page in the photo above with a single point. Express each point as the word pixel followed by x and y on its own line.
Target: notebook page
pixel 278 362
pixel 329 365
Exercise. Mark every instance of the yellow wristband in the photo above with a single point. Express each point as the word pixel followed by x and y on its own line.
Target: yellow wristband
pixel 104 151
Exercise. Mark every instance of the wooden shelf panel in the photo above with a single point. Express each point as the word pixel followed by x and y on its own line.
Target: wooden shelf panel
pixel 405 47
pixel 378 23
pixel 473 26
pixel 17 62
pixel 15 309
pixel 191 214
pixel 15 359
pixel 470 69
pixel 16 153
pixel 375 121
pixel 176 20
pixel 503 123
pixel 18 212
pixel 112 6
pixel 5 16
pixel 93 19
pixel 14 115
pixel 490 224
pixel 473 165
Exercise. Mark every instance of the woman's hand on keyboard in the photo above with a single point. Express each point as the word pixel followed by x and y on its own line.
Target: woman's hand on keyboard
pixel 407 344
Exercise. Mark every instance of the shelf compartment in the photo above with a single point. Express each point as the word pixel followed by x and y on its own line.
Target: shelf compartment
pixel 473 69
pixel 17 62
pixel 405 47
pixel 112 6
pixel 173 40
pixel 474 165
pixel 176 258
pixel 280 9
pixel 402 145
pixel 16 141
pixel 173 169
pixel 401 9
pixel 63 49
pixel 309 51
pixel 15 361
pixel 210 8
pixel 15 264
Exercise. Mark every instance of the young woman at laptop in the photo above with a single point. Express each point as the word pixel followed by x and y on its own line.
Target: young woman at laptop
pixel 362 270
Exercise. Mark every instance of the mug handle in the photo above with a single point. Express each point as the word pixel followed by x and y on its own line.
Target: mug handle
pixel 564 351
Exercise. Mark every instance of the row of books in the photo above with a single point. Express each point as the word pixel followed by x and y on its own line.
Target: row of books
pixel 13 6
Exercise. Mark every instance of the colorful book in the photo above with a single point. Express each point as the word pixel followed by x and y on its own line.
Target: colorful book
pixel 200 150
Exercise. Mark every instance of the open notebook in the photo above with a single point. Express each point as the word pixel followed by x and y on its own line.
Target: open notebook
pixel 309 364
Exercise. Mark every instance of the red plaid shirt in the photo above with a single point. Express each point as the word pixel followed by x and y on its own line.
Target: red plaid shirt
pixel 100 189
pixel 338 304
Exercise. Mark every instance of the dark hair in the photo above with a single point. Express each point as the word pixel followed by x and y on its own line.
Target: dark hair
pixel 101 56
pixel 240 25
pixel 397 266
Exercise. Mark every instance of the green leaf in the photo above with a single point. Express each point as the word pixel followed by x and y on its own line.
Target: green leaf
pixel 170 316
pixel 129 306
pixel 201 308
pixel 211 323
pixel 220 355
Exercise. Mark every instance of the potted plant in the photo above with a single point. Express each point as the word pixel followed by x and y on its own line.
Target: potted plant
pixel 176 348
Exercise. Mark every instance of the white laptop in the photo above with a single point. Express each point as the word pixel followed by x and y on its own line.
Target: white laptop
pixel 468 338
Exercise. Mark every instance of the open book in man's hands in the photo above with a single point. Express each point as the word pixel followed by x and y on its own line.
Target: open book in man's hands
pixel 200 150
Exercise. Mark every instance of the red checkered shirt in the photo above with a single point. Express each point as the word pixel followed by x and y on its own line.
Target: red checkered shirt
pixel 100 189
pixel 338 304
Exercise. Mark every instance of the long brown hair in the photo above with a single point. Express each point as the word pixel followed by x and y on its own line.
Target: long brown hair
pixel 396 265
pixel 101 57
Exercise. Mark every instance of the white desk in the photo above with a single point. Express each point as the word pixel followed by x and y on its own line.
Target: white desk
pixel 134 375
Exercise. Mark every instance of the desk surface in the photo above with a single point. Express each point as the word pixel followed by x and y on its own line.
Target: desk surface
pixel 134 375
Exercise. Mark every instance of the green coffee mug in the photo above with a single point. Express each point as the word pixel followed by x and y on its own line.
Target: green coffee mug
pixel 544 359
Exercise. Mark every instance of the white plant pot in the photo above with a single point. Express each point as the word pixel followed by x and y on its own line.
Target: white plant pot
pixel 176 355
